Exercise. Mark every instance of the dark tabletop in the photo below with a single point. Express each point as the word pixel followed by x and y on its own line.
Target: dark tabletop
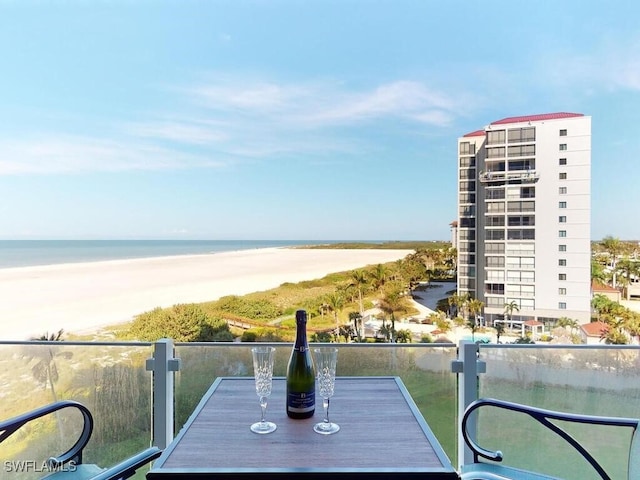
pixel 382 433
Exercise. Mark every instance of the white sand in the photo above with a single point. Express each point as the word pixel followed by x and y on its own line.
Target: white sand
pixel 83 297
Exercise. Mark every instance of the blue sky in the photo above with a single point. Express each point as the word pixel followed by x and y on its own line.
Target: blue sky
pixel 294 119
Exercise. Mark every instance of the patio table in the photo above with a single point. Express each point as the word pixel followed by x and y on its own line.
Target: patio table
pixel 382 434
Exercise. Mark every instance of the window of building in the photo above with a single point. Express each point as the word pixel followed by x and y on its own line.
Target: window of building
pixel 467 162
pixel 495 302
pixel 494 288
pixel 527 134
pixel 467 258
pixel 562 219
pixel 467 148
pixel 524 164
pixel 468 222
pixel 562 291
pixel 466 173
pixel 562 276
pixel 525 206
pixel 563 132
pixel 467 234
pixel 495 194
pixel 528 263
pixel 467 247
pixel 521 220
pixel 467 186
pixel 563 146
pixel 562 305
pixel 494 248
pixel 562 190
pixel 495 152
pixel 562 161
pixel 562 248
pixel 521 234
pixel 526 303
pixel 495 207
pixel 495 221
pixel 468 211
pixel 495 136
pixel 495 261
pixel 528 192
pixel 562 233
pixel 521 276
pixel 562 262
pixel 522 249
pixel 495 275
pixel 467 198
pixel 521 150
pixel 562 176
pixel 494 234
pixel 562 204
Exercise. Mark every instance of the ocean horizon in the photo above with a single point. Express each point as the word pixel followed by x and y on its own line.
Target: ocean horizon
pixel 29 253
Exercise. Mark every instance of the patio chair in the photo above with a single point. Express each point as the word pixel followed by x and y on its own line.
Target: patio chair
pixel 482 470
pixel 69 465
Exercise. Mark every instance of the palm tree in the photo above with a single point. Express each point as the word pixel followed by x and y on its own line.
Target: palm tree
pixel 359 280
pixel 356 318
pixel 614 248
pixel 631 270
pixel 45 368
pixel 391 302
pixel 379 276
pixel 509 308
pixel 567 322
pixel 335 301
pixel 475 307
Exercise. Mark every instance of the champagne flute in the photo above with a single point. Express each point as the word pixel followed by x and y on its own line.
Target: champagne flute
pixel 326 359
pixel 263 372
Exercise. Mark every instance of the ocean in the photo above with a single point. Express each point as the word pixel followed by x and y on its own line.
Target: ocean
pixel 25 253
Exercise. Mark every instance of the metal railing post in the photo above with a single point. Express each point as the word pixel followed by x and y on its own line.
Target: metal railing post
pixel 163 364
pixel 469 366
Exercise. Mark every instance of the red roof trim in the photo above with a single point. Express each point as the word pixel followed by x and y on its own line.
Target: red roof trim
pixel 601 287
pixel 594 329
pixel 537 118
pixel 477 133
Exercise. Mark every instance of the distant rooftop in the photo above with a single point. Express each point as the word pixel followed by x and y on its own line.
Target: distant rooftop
pixel 537 118
pixel 477 133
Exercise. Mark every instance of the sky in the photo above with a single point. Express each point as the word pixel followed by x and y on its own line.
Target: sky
pixel 289 119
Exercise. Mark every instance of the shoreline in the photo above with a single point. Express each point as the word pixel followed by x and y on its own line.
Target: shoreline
pixel 85 297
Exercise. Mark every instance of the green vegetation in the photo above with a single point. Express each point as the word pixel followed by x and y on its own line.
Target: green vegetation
pixel 335 304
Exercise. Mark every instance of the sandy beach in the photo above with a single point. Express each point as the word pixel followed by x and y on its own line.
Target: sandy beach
pixel 83 297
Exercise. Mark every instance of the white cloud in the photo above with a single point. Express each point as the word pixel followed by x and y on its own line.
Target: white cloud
pixel 72 154
pixel 327 104
pixel 182 132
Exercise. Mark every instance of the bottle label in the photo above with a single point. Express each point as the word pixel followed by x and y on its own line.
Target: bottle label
pixel 301 402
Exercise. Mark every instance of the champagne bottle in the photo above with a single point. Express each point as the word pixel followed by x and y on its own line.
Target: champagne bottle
pixel 301 380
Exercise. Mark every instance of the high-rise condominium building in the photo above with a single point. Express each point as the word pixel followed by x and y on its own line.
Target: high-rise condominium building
pixel 524 220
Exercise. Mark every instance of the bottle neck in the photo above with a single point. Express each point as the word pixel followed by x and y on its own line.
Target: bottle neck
pixel 301 335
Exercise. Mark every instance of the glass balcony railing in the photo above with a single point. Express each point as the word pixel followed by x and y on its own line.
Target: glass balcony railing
pixel 602 380
pixel 113 380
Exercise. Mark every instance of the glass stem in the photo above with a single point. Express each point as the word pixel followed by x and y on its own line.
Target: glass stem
pixel 263 407
pixel 325 404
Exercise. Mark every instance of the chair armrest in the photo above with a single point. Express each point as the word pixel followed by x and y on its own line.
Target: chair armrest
pixel 543 417
pixel 128 467
pixel 10 426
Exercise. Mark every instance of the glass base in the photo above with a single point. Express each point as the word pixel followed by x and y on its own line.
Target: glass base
pixel 326 428
pixel 263 427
